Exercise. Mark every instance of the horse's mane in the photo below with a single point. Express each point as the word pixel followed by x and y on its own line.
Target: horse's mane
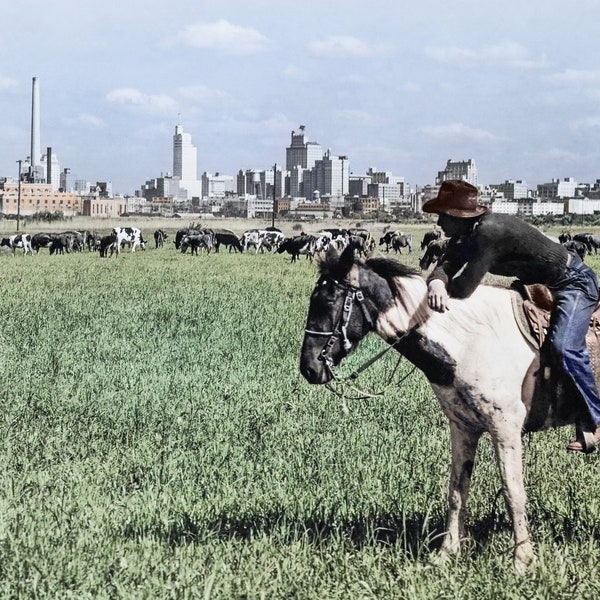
pixel 389 267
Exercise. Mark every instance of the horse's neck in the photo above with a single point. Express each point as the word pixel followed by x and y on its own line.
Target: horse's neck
pixel 409 310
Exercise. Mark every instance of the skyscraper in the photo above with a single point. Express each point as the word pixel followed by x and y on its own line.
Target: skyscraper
pixel 185 165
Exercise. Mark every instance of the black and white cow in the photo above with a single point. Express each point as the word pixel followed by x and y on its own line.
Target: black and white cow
pixel 296 246
pixel 19 240
pixel 197 242
pixel 129 235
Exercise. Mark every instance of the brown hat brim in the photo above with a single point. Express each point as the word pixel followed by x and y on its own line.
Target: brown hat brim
pixel 433 206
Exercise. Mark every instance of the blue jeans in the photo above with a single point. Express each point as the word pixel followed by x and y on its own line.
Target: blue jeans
pixel 575 299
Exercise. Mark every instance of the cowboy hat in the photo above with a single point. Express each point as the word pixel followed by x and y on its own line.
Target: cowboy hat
pixel 457 199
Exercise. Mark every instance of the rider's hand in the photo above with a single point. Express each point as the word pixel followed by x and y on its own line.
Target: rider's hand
pixel 437 296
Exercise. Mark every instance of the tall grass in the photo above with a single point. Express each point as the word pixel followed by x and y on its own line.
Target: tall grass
pixel 159 442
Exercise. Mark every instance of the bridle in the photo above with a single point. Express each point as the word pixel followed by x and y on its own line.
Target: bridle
pixel 341 327
pixel 354 295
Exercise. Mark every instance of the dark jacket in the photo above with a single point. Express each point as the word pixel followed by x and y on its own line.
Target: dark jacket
pixel 501 245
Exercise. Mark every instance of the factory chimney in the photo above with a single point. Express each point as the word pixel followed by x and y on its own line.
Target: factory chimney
pixel 35 126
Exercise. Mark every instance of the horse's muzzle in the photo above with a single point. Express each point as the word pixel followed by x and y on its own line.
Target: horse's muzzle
pixel 315 371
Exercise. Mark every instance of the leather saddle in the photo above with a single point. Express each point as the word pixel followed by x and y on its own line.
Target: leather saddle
pixel 532 308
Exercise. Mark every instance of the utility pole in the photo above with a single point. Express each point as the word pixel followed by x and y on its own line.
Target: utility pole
pixel 19 197
pixel 274 186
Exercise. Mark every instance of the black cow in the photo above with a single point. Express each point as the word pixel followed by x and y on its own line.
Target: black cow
pixel 109 242
pixel 435 250
pixel 41 240
pixel 402 241
pixel 160 235
pixel 387 239
pixel 434 234
pixel 228 239
pixel 577 246
pixel 565 237
pixel 301 244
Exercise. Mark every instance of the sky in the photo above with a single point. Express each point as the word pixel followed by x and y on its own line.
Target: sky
pixel 396 86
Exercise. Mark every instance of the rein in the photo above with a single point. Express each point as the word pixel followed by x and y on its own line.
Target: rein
pixel 352 294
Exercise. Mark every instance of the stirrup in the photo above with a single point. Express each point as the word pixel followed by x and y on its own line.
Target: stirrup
pixel 585 442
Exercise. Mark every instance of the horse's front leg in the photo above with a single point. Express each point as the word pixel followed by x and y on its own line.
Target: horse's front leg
pixel 509 450
pixel 464 448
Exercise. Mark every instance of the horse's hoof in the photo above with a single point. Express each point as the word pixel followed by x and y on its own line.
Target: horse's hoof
pixel 441 558
pixel 524 559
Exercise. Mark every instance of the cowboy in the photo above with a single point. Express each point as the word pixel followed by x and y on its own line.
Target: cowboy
pixel 483 242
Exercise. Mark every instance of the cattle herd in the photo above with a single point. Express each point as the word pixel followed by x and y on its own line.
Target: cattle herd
pixel 272 240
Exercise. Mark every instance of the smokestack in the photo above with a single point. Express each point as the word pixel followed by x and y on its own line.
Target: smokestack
pixel 49 165
pixel 35 124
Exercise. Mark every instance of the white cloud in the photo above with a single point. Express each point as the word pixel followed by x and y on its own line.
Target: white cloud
pixel 458 130
pixel 295 73
pixel 504 54
pixel 355 116
pixel 570 77
pixel 223 37
pixel 86 120
pixel 266 127
pixel 202 94
pixel 7 84
pixel 148 103
pixel 586 123
pixel 341 46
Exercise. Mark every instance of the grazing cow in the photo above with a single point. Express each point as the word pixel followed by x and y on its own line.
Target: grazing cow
pixel 160 235
pixel 387 239
pixel 366 235
pixel 576 246
pixel 73 240
pixel 58 245
pixel 271 241
pixel 434 234
pixel 181 233
pixel 19 240
pixel 129 235
pixel 41 240
pixel 402 241
pixel 301 244
pixel 435 250
pixel 228 239
pixel 358 244
pixel 565 237
pixel 251 238
pixel 109 243
pixel 195 242
pixel 92 240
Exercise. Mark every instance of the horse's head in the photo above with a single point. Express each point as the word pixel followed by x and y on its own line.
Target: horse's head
pixel 344 306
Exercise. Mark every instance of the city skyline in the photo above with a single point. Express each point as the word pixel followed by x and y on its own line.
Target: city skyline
pixel 514 86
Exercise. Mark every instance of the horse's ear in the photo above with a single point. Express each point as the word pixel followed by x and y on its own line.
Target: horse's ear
pixel 346 261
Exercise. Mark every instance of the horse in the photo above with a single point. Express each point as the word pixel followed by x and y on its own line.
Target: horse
pixel 487 376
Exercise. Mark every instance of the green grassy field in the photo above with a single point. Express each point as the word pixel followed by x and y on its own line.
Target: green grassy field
pixel 158 441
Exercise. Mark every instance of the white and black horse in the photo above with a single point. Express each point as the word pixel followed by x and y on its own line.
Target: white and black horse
pixel 485 374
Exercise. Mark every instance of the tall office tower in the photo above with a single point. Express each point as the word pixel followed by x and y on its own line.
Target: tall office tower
pixel 466 170
pixel 300 156
pixel 301 152
pixel 185 164
pixel 330 175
